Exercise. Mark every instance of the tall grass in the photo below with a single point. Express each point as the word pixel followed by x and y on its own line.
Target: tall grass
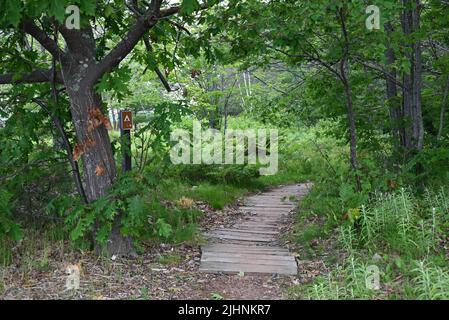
pixel 430 282
pixel 405 230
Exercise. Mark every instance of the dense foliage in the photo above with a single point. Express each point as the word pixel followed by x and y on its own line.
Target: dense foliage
pixel 361 113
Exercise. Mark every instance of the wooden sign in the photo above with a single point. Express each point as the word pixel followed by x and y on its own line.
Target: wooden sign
pixel 126 119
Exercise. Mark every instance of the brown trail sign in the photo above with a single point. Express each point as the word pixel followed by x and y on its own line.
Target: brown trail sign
pixel 126 120
pixel 126 125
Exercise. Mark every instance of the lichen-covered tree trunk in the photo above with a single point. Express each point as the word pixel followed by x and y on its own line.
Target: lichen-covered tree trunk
pixel 99 168
pixel 93 146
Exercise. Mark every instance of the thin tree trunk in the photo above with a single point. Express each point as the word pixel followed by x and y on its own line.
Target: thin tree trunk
pixel 114 119
pixel 66 143
pixel 418 124
pixel 443 110
pixel 352 132
pixel 250 84
pixel 344 75
pixel 396 116
pixel 412 80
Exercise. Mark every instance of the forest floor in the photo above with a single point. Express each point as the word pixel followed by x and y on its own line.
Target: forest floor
pixel 162 272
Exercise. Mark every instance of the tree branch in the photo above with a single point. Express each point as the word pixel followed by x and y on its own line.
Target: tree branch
pixel 74 164
pixel 124 47
pixel 37 33
pixel 38 76
pixel 143 23
pixel 133 6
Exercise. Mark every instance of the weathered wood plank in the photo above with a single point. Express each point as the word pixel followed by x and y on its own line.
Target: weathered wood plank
pixel 241 238
pixel 245 260
pixel 246 246
pixel 243 233
pixel 273 210
pixel 248 255
pixel 241 248
pixel 248 268
pixel 248 231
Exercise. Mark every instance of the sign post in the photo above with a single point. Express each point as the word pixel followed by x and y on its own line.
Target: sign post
pixel 126 124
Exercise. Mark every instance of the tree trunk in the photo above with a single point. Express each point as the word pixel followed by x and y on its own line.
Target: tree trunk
pixel 396 116
pixel 412 80
pixel 94 146
pixel 443 109
pixel 344 76
pixel 114 119
pixel 352 133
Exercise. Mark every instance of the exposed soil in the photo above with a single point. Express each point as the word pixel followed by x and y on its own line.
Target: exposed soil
pixel 165 273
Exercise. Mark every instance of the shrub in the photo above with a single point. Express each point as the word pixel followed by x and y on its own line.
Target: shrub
pixel 8 227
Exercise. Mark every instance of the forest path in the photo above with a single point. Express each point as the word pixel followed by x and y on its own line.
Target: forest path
pixel 251 246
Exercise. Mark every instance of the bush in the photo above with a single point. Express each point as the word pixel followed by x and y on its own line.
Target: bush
pixel 144 215
pixel 8 227
pixel 224 174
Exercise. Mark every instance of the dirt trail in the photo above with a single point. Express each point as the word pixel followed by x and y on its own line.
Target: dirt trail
pixel 163 272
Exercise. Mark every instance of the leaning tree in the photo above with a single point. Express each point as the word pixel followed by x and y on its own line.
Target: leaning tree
pixel 75 55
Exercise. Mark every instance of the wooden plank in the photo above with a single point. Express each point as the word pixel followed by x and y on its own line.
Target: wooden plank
pixel 268 206
pixel 242 248
pixel 264 220
pixel 276 202
pixel 272 198
pixel 265 209
pixel 236 230
pixel 283 198
pixel 262 224
pixel 245 260
pixel 243 233
pixel 241 238
pixel 256 213
pixel 255 225
pixel 272 231
pixel 245 246
pixel 254 221
pixel 248 255
pixel 248 268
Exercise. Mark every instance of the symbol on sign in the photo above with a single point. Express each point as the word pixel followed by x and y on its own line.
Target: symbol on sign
pixel 126 120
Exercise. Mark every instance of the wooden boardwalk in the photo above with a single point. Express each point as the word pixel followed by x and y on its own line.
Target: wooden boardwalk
pixel 250 245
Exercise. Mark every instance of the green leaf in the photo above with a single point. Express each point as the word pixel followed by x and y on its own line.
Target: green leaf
pixel 57 9
pixel 136 206
pixel 164 230
pixel 11 14
pixel 189 6
pixel 88 7
pixel 15 232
